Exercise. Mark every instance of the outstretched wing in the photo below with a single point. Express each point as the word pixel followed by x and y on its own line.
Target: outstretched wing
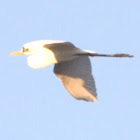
pixel 76 76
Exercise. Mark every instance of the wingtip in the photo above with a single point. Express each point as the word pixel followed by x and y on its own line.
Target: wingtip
pixel 94 99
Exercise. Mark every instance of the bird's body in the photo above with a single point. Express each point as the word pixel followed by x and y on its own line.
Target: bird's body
pixel 52 53
pixel 72 65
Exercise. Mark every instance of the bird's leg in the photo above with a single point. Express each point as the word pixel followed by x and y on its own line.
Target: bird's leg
pixel 103 55
pixel 110 55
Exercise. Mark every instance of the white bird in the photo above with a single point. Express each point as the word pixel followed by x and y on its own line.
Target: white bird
pixel 72 65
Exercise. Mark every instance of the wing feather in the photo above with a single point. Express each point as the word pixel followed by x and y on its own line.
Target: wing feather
pixel 76 76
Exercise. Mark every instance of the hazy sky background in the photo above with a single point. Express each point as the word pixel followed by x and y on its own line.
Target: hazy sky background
pixel 33 103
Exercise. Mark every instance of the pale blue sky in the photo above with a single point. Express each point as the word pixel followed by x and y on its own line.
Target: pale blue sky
pixel 33 103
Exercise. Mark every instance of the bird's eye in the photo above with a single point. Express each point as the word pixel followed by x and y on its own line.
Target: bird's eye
pixel 25 49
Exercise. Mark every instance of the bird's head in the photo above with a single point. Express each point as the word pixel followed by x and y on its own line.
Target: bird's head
pixel 30 48
pixel 38 55
pixel 23 51
pixel 34 47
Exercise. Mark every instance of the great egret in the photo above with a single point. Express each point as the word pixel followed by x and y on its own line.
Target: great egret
pixel 72 65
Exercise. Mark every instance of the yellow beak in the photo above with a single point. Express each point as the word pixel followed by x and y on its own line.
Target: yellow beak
pixel 16 53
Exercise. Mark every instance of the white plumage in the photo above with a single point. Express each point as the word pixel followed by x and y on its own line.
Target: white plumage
pixel 72 65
